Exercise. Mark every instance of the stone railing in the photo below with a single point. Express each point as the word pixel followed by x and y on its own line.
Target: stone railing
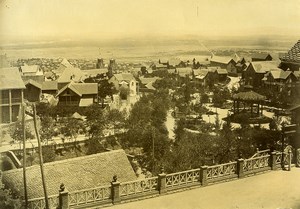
pixel 97 194
pixel 39 203
pixel 139 187
pixel 117 192
pixel 183 178
pixel 260 153
pixel 221 172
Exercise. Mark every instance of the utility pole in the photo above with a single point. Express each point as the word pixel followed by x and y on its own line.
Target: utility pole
pixel 153 157
pixel 40 157
pixel 24 155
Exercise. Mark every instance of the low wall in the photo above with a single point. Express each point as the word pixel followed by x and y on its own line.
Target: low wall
pixel 118 192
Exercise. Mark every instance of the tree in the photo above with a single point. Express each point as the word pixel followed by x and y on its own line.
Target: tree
pixel 7 200
pixel 71 127
pixel 48 154
pixel 204 98
pixel 146 127
pixel 105 89
pixel 190 151
pixel 115 119
pixel 47 128
pixel 95 121
pixel 220 96
pixel 17 132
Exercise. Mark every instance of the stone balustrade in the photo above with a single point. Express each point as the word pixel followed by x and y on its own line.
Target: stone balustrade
pixel 118 192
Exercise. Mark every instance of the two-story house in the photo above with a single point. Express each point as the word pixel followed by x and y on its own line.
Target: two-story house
pixel 11 94
pixel 256 71
pixel 70 74
pixel 78 94
pixel 276 80
pixel 227 63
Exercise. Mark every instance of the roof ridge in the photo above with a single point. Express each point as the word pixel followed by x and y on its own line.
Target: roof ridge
pixel 68 160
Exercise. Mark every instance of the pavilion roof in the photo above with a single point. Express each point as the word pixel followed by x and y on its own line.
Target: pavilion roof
pixel 249 96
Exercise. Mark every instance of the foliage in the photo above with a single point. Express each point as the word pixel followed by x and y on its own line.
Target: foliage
pixel 47 128
pixel 17 132
pixel 146 126
pixel 95 121
pixel 204 98
pixel 160 73
pixel 220 96
pixel 7 200
pixel 6 164
pixel 115 119
pixel 48 154
pixel 71 127
pixel 190 151
pixel 95 145
pixel 168 82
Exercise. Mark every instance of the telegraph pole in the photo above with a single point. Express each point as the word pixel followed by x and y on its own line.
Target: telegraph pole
pixel 40 157
pixel 24 155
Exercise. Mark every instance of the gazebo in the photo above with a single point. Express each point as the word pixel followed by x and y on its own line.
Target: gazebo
pixel 250 101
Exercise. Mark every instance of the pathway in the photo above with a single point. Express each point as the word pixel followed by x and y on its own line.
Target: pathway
pixel 272 190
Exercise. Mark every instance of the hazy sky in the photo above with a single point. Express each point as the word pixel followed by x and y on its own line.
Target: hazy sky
pixel 70 19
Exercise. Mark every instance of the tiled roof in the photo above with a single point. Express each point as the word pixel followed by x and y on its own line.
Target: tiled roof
pixel 201 73
pixel 66 63
pixel 184 70
pixel 223 60
pixel 145 81
pixel 49 85
pixel 10 78
pixel 29 68
pixel 222 71
pixel 236 57
pixel 265 66
pixel 124 77
pixel 37 78
pixel 76 174
pixel 174 62
pixel 297 74
pixel 260 55
pixel 95 72
pixel 249 96
pixel 280 74
pixel 70 74
pixel 34 83
pixel 81 88
pixel 293 54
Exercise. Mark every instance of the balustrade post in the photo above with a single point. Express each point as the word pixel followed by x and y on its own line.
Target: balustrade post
pixel 289 160
pixel 115 190
pixel 161 184
pixel 203 175
pixel 240 168
pixel 297 158
pixel 63 199
pixel 273 161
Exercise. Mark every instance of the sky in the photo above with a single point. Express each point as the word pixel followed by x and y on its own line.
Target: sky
pixel 34 20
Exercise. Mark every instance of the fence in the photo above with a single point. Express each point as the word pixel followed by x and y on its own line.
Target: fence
pixel 90 195
pixel 164 183
pixel 39 203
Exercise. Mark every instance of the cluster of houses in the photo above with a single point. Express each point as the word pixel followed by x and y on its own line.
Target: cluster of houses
pixel 65 85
